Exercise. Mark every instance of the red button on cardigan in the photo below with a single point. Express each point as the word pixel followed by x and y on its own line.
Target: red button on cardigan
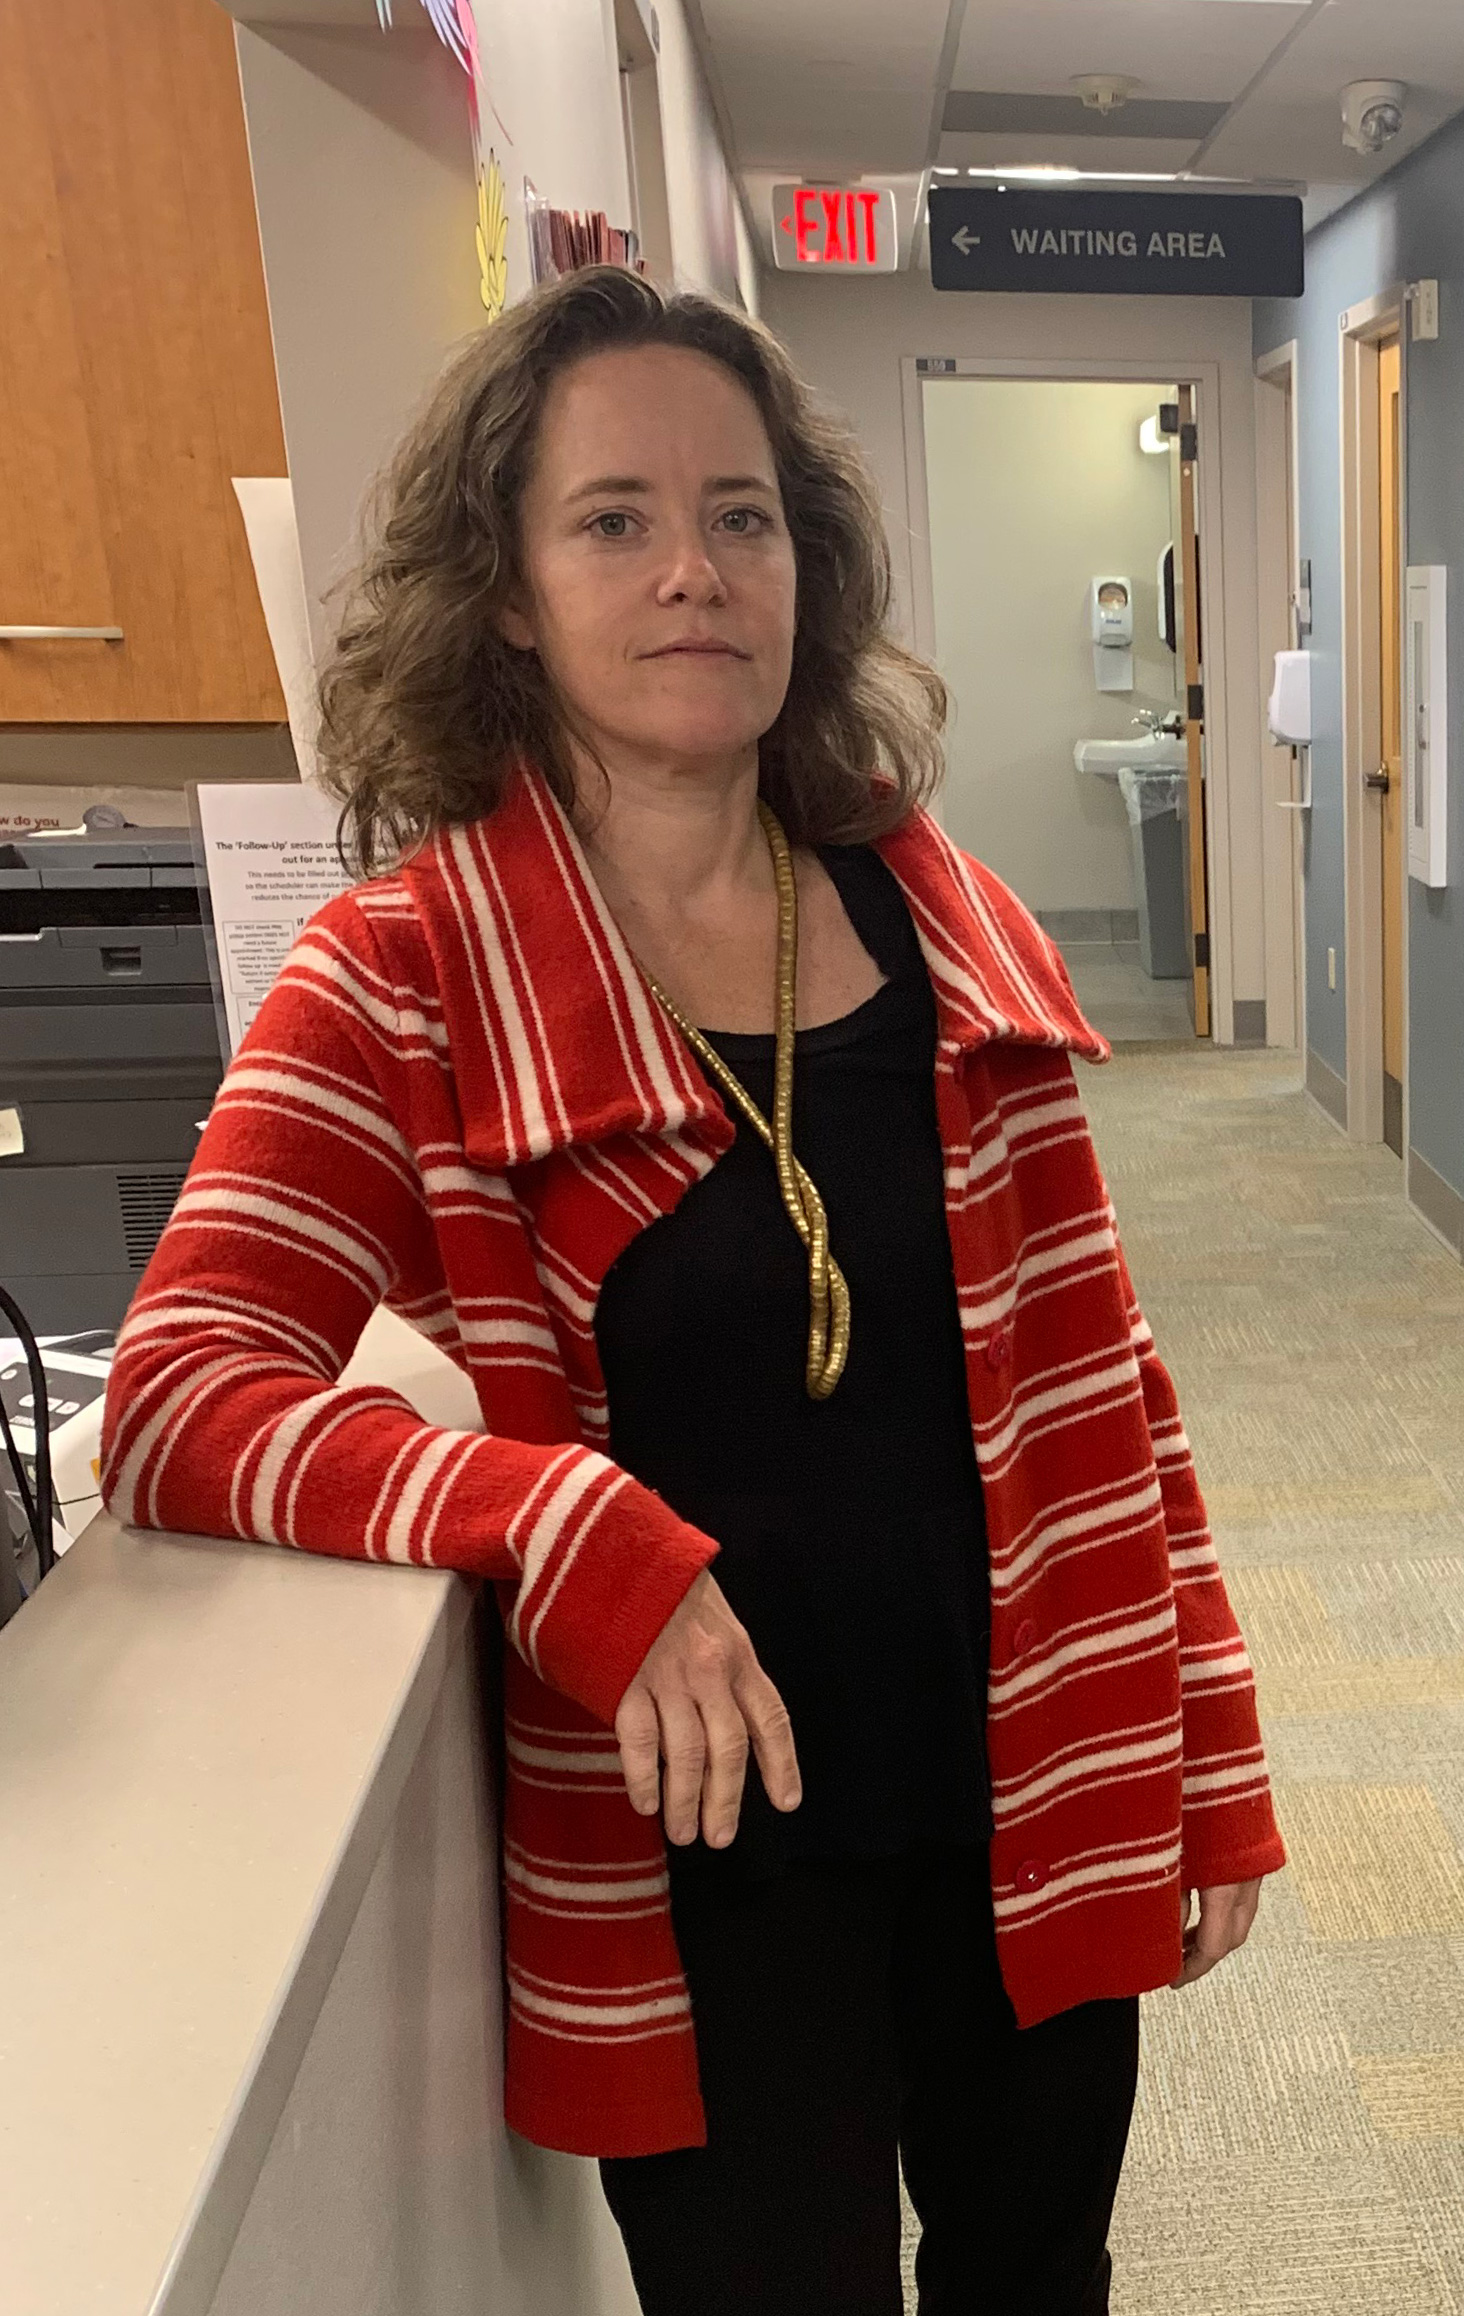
pixel 999 1348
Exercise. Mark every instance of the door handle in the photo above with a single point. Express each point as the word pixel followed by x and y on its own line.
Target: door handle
pixel 1381 780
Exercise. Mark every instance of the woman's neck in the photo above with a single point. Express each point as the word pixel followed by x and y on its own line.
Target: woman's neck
pixel 681 858
pixel 678 842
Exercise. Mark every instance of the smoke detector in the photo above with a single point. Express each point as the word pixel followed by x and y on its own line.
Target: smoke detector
pixel 1372 114
pixel 1104 92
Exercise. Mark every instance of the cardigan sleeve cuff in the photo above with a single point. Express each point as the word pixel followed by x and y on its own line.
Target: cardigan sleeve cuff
pixel 1223 1855
pixel 632 1577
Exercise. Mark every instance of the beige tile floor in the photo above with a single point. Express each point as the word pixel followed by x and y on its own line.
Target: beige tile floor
pixel 1298 2148
pixel 1120 999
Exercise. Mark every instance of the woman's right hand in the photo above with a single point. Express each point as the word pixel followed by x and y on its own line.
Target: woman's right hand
pixel 698 1699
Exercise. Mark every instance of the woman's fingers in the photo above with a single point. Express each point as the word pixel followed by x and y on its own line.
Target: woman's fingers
pixel 771 1731
pixel 1226 1914
pixel 698 1701
pixel 684 1751
pixel 639 1730
pixel 726 1767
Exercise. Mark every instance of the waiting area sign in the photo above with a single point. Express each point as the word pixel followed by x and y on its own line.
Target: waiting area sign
pixel 1227 245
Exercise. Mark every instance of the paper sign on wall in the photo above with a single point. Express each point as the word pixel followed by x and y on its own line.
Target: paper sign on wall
pixel 270 854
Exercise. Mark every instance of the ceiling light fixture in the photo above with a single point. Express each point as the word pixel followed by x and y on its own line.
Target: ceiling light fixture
pixel 1040 172
pixel 1104 92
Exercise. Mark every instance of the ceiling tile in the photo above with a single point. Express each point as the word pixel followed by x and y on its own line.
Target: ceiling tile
pixel 1199 49
pixel 843 88
pixel 1000 113
pixel 1144 154
pixel 828 87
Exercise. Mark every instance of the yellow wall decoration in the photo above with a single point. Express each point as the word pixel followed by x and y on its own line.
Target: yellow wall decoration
pixel 492 235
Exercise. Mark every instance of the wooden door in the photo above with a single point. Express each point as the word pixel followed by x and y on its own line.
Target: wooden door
pixel 1187 550
pixel 136 367
pixel 1387 781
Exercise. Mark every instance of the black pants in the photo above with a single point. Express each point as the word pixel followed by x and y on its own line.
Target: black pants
pixel 845 2013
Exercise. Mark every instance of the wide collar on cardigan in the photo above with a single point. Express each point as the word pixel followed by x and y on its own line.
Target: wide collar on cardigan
pixel 555 1036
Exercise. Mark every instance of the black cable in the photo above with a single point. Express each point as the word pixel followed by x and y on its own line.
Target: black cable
pixel 43 1510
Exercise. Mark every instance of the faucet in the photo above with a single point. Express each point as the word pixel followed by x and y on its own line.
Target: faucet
pixel 1146 721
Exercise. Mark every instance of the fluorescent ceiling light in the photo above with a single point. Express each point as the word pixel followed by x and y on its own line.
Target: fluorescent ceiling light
pixel 945 172
pixel 1043 172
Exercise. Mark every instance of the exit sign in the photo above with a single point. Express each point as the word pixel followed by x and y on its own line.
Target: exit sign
pixel 836 228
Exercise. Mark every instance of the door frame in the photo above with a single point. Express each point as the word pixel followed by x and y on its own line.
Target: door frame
pixel 1204 376
pixel 1278 546
pixel 1360 331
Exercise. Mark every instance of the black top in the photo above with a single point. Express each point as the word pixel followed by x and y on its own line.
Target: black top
pixel 852 1532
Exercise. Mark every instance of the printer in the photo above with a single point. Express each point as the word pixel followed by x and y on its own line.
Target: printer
pixel 109 1058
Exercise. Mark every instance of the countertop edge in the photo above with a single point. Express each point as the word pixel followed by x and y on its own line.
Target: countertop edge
pixel 215 2213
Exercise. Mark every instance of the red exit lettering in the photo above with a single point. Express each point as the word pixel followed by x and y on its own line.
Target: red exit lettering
pixel 835 226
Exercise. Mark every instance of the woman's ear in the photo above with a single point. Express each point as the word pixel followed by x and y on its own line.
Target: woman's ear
pixel 516 628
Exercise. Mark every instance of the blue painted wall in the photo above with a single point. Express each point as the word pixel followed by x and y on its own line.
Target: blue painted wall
pixel 1410 226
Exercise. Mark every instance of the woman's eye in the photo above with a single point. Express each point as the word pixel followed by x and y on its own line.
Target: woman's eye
pixel 742 520
pixel 612 524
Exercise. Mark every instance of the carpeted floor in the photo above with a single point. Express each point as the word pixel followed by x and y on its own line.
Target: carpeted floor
pixel 1299 2144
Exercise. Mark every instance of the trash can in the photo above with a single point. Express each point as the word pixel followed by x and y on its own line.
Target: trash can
pixel 1156 803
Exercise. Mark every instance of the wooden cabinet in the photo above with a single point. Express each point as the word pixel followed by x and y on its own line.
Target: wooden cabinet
pixel 136 370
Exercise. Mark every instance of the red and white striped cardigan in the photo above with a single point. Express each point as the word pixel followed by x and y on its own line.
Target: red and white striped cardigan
pixel 461 1097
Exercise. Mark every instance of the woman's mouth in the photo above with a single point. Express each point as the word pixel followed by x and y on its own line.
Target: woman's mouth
pixel 698 647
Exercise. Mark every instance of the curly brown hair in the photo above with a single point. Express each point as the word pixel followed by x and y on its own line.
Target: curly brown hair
pixel 427 711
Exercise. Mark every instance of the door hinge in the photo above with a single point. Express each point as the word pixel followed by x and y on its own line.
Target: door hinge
pixel 1189 443
pixel 1202 952
pixel 1194 704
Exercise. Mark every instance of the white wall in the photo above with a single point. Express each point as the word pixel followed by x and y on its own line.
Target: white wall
pixel 749 265
pixel 699 189
pixel 851 338
pixel 363 178
pixel 1035 487
pixel 554 110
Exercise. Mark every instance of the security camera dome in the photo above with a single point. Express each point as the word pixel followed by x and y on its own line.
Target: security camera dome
pixel 1372 114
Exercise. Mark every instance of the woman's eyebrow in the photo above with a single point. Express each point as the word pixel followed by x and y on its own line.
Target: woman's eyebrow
pixel 742 482
pixel 625 485
pixel 620 484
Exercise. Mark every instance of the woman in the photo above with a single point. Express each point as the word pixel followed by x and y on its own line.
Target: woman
pixel 821 1428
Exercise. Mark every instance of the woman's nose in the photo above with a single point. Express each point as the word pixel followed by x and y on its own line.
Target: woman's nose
pixel 691 574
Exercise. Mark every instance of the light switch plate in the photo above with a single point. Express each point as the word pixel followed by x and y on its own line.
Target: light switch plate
pixel 1423 300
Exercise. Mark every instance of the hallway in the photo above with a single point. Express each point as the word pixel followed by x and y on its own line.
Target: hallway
pixel 1299 2144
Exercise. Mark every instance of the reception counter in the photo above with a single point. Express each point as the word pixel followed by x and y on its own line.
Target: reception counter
pixel 250 2034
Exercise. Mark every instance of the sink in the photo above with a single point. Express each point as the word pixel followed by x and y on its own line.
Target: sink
pixel 1141 752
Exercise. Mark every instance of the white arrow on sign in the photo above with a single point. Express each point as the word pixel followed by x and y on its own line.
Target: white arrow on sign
pixel 965 240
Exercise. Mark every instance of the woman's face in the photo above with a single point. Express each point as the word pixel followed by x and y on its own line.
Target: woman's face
pixel 658 573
